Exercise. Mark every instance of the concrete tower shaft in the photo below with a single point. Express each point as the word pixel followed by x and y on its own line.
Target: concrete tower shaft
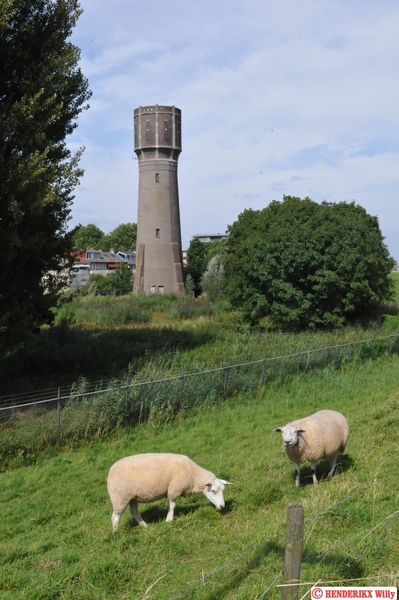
pixel 157 143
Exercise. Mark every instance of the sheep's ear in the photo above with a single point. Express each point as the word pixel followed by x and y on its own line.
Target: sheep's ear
pixel 226 482
pixel 301 430
pixel 278 429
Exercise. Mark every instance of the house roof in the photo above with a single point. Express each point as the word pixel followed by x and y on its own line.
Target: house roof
pixel 104 257
pixel 80 256
pixel 110 258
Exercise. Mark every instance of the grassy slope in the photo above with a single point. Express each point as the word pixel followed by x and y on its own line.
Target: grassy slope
pixel 55 532
pixel 100 338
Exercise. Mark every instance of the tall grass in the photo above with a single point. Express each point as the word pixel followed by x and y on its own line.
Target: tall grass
pixel 95 412
pixel 105 337
pixel 55 531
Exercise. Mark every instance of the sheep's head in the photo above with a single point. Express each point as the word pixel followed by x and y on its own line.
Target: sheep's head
pixel 291 435
pixel 214 489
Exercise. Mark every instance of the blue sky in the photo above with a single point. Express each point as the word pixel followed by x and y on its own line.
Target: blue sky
pixel 277 98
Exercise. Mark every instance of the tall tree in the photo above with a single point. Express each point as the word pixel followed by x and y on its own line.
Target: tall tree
pixel 88 236
pixel 42 92
pixel 308 264
pixel 196 260
pixel 122 237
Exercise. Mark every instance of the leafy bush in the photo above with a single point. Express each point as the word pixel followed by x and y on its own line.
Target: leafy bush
pixel 120 279
pixel 371 350
pixel 390 323
pixel 305 264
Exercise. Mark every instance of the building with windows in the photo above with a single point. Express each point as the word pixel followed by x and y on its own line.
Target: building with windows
pixel 206 238
pixel 97 262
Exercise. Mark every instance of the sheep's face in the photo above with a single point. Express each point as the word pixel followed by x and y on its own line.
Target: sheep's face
pixel 290 434
pixel 214 489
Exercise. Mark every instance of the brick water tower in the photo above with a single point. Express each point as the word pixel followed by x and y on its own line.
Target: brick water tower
pixel 157 143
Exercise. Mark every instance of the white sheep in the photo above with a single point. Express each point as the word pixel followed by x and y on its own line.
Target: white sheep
pixel 321 435
pixel 150 477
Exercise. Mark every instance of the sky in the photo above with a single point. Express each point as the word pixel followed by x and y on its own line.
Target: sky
pixel 277 98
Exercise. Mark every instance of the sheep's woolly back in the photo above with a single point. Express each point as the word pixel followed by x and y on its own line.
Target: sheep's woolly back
pixel 152 476
pixel 325 435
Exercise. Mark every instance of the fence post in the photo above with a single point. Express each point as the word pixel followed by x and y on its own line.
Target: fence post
pixel 181 387
pixel 293 551
pixel 59 413
pixel 127 393
pixel 262 381
pixel 226 374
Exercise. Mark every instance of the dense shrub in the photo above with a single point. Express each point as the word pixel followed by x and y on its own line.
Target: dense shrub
pixel 304 264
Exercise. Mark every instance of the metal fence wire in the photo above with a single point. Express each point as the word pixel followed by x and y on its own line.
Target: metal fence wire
pixel 88 408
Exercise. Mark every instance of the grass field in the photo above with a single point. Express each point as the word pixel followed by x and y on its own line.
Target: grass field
pixel 55 531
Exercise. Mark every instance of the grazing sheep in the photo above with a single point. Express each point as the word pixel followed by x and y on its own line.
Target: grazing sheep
pixel 149 477
pixel 321 435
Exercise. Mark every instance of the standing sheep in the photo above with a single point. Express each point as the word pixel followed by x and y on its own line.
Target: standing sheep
pixel 150 477
pixel 321 435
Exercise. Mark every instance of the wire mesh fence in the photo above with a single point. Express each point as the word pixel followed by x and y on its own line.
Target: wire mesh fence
pixel 353 545
pixel 87 409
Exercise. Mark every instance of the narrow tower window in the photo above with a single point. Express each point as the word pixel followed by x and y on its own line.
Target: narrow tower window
pixel 166 130
pixel 147 130
pixel 157 233
pixel 156 177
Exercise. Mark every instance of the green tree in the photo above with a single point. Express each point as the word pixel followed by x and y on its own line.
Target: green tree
pixel 196 262
pixel 213 281
pixel 189 285
pixel 217 248
pixel 121 279
pixel 88 236
pixel 197 255
pixel 122 238
pixel 42 92
pixel 307 264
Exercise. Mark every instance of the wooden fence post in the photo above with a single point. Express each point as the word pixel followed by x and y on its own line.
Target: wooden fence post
pixel 59 413
pixel 226 374
pixel 293 551
pixel 262 381
pixel 181 387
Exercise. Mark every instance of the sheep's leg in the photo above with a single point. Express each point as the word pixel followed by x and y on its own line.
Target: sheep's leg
pixel 333 462
pixel 313 470
pixel 115 520
pixel 134 511
pixel 297 474
pixel 172 504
